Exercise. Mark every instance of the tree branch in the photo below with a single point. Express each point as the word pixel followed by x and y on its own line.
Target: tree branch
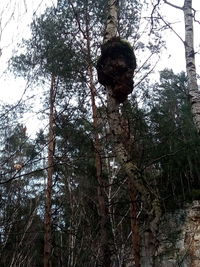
pixel 154 8
pixel 170 4
pixel 170 27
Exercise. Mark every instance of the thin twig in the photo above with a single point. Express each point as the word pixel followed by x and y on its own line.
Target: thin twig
pixel 170 27
pixel 170 4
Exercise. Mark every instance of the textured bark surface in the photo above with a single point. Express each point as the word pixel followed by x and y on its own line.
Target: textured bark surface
pixel 134 224
pixel 150 201
pixel 122 143
pixel 50 171
pixel 194 93
pixel 103 212
pixel 101 195
pixel 119 134
pixel 112 20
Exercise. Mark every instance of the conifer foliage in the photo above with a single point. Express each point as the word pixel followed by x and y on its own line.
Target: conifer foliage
pixel 91 187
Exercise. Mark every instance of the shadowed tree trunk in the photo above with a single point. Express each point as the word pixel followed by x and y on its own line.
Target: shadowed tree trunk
pixel 122 142
pixel 134 224
pixel 194 95
pixel 103 212
pixel 120 135
pixel 50 171
pixel 101 195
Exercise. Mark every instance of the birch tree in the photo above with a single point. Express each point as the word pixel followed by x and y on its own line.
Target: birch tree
pixel 123 141
pixel 193 91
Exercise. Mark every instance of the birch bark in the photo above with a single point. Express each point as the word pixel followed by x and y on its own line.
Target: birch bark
pixel 122 143
pixel 112 20
pixel 194 93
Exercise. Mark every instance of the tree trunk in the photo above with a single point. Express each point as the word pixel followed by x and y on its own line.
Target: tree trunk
pixel 103 211
pixel 50 171
pixel 122 145
pixel 134 225
pixel 104 240
pixel 120 135
pixel 194 93
pixel 112 21
pixel 122 142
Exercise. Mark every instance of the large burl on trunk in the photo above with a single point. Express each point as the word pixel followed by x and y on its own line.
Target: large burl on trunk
pixel 116 66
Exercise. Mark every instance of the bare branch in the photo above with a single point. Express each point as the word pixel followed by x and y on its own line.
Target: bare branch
pixel 77 20
pixel 170 27
pixel 194 16
pixel 170 4
pixel 154 8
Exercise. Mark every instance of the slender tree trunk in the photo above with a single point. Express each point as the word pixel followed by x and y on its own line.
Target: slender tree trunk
pixel 120 134
pixel 194 93
pixel 50 171
pixel 134 225
pixel 112 21
pixel 122 143
pixel 103 211
pixel 106 261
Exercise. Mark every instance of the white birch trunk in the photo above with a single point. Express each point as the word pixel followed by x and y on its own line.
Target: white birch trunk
pixel 194 93
pixel 112 20
pixel 122 144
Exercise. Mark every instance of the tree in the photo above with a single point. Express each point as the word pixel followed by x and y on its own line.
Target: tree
pixel 19 205
pixel 189 17
pixel 122 143
pixel 175 140
pixel 64 44
pixel 50 171
pixel 44 58
pixel 190 62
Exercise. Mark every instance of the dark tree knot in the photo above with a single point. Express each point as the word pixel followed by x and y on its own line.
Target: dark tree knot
pixel 116 66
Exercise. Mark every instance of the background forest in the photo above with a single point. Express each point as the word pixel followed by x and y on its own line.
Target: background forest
pixel 65 199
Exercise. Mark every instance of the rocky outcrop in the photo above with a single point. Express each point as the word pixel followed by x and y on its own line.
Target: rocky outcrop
pixel 192 234
pixel 179 238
